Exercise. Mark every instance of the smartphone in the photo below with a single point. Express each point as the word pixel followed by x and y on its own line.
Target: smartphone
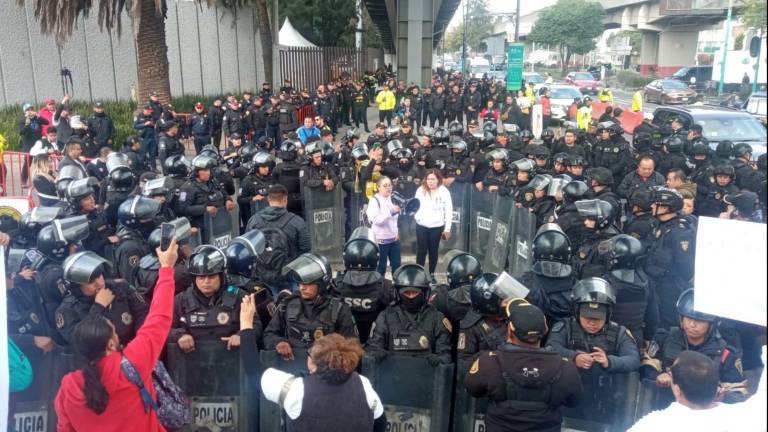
pixel 167 231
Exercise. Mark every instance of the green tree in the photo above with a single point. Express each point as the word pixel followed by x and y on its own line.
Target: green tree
pixel 479 26
pixel 571 25
pixel 59 18
pixel 754 14
pixel 322 22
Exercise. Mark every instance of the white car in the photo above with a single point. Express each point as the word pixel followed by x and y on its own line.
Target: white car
pixel 561 98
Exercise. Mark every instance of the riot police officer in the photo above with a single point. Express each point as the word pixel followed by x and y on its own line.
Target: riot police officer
pixel 542 204
pixel 89 293
pixel 318 173
pixel 453 300
pixel 312 313
pixel 287 174
pixel 551 279
pixel 673 157
pixel 635 306
pixel 438 156
pixel 146 273
pixel 210 308
pixel 483 328
pixel 523 171
pixel 360 286
pixel 576 165
pixel 497 178
pixel 696 331
pixel 28 323
pixel 641 224
pixel 241 253
pixel 82 201
pixel 411 327
pixel 600 182
pixel 254 189
pixel 202 194
pixel 596 216
pixel 138 217
pixel 709 200
pixel 597 345
pixel 701 158
pixel 161 190
pixel 670 261
pixel 120 185
pixel 458 167
pixel 611 151
pixel 168 144
pixel 568 216
pixel 742 164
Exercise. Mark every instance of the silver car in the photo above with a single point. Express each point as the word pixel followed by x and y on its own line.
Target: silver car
pixel 561 98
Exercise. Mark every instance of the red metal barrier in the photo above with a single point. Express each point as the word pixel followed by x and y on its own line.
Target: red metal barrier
pixel 13 166
pixel 303 112
pixel 630 120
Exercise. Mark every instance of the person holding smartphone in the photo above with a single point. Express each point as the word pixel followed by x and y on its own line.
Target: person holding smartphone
pixel 433 219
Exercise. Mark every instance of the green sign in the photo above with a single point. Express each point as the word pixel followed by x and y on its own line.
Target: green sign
pixel 515 60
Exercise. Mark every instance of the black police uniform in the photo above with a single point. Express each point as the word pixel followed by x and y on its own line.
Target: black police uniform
pixel 126 312
pixel 642 227
pixel 26 315
pixel 146 274
pixel 569 220
pixel 286 113
pixel 636 307
pixel 550 284
pixel 586 261
pixel 673 160
pixel 453 303
pixel 100 229
pixel 313 175
pixel 366 293
pixel 201 128
pixel 525 387
pixel 359 107
pixel 233 122
pixel 195 196
pixel 426 334
pixel 208 318
pixel 478 333
pixel 709 200
pixel 454 106
pixel 168 146
pixel 287 174
pixel 300 322
pixel 743 172
pixel 438 157
pixel 459 168
pixel 130 248
pixel 252 186
pixel 670 264
pixel 615 156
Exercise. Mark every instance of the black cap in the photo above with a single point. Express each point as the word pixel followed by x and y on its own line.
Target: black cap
pixel 593 310
pixel 526 320
pixel 744 201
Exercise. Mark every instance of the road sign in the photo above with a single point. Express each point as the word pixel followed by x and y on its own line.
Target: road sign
pixel 515 62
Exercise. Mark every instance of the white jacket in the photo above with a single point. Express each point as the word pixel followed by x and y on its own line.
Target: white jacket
pixel 435 209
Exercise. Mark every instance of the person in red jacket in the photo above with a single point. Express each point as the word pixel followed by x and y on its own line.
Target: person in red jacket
pixel 490 112
pixel 98 396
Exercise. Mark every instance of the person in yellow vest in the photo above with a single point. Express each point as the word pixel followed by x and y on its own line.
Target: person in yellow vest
pixel 584 114
pixel 637 100
pixel 530 94
pixel 386 102
pixel 606 95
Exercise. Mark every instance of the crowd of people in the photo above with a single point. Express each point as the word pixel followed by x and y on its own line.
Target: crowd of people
pixel 609 291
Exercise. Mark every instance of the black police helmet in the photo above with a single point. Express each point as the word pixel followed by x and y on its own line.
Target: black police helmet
pixel 551 244
pixel 455 128
pixel 593 290
pixel 154 239
pixel 206 260
pixel 441 136
pixel 597 209
pixel 701 149
pixel 490 126
pixel 360 151
pixel 725 170
pixel 50 246
pixel 263 158
pixel 84 267
pixel 411 276
pixel 310 268
pixel 204 161
pixel 135 212
pixel 724 149
pixel 288 150
pixel 742 150
pixel 177 166
pixel 602 175
pixel 122 179
pixel 575 191
pixel 674 144
pixel 547 135
pixel 361 252
pixel 352 133
pixel 484 298
pixel 241 253
pixel 248 151
pixel 462 268
pixel 621 252
pixel 525 134
pixel 79 189
pixel 668 197
pixel 685 308
pixel 642 198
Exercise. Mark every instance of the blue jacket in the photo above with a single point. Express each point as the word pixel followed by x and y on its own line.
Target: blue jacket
pixel 305 133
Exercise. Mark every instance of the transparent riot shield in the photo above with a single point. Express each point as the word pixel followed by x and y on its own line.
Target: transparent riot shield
pixel 520 250
pixel 480 219
pixel 468 412
pixel 219 393
pixel 502 222
pixel 416 395
pixel 217 230
pixel 32 409
pixel 63 363
pixel 271 416
pixel 324 213
pixel 460 199
pixel 234 214
pixel 355 210
pixel 608 403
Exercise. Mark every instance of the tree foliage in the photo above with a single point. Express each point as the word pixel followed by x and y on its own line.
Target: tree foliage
pixel 755 14
pixel 572 25
pixel 479 25
pixel 322 22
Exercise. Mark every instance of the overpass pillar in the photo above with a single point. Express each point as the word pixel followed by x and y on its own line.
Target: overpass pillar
pixel 415 26
pixel 676 49
pixel 649 51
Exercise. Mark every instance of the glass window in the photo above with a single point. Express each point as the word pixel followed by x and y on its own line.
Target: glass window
pixel 733 128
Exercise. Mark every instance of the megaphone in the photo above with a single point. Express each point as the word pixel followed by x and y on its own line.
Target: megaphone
pixel 408 206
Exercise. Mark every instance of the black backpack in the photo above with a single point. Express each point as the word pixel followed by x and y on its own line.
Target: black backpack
pixel 277 251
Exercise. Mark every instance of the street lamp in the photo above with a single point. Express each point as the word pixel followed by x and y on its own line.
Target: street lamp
pixel 725 48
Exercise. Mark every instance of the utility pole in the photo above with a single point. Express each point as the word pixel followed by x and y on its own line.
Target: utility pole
pixel 464 40
pixel 359 30
pixel 725 48
pixel 517 22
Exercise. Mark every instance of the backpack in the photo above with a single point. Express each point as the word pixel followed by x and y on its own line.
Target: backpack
pixel 277 251
pixel 21 374
pixel 172 406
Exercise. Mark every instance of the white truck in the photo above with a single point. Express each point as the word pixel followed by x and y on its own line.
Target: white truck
pixel 479 66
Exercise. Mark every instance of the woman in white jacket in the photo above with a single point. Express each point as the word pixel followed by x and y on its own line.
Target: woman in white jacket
pixel 433 219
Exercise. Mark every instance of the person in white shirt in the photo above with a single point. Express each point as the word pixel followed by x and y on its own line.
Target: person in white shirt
pixel 695 384
pixel 433 219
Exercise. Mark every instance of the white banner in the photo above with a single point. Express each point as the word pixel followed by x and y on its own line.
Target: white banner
pixel 537 120
pixel 730 276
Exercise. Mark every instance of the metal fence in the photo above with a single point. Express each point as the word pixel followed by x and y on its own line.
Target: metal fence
pixel 308 67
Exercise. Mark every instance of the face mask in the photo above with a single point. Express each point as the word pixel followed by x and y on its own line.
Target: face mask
pixel 413 305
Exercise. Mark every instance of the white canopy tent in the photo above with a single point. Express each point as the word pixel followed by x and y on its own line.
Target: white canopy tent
pixel 289 36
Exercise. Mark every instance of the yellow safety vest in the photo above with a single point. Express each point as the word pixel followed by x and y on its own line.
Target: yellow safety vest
pixel 583 117
pixel 637 101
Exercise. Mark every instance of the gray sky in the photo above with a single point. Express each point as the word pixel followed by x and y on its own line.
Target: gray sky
pixel 506 6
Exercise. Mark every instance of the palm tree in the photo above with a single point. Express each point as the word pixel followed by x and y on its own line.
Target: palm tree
pixel 59 17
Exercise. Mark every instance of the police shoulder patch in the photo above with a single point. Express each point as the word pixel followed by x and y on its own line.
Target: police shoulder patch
pixel 629 333
pixel 462 343
pixel 183 196
pixel 59 321
pixel 739 367
pixel 475 367
pixel 134 260
pixel 447 324
pixel 558 327
pixel 684 245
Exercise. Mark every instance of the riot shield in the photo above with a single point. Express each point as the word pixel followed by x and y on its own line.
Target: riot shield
pixel 481 216
pixel 406 224
pixel 234 214
pixel 468 412
pixel 609 401
pixel 324 213
pixel 271 414
pixel 32 409
pixel 520 250
pixel 459 230
pixel 648 398
pixel 219 393
pixel 501 232
pixel 257 206
pixel 416 395
pixel 219 230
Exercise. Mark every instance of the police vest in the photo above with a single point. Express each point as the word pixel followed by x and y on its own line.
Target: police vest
pixel 118 312
pixel 677 342
pixel 490 336
pixel 631 300
pixel 409 335
pixel 202 319
pixel 520 398
pixel 607 340
pixel 301 330
pixel 364 300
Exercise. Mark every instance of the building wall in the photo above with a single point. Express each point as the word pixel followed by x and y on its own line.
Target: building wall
pixel 210 51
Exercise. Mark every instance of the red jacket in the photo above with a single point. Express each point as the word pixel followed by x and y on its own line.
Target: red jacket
pixel 546 106
pixel 125 410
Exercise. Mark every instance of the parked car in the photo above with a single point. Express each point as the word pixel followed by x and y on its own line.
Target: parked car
pixel 561 97
pixel 718 124
pixel 586 83
pixel 535 78
pixel 756 105
pixel 669 91
pixel 694 76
